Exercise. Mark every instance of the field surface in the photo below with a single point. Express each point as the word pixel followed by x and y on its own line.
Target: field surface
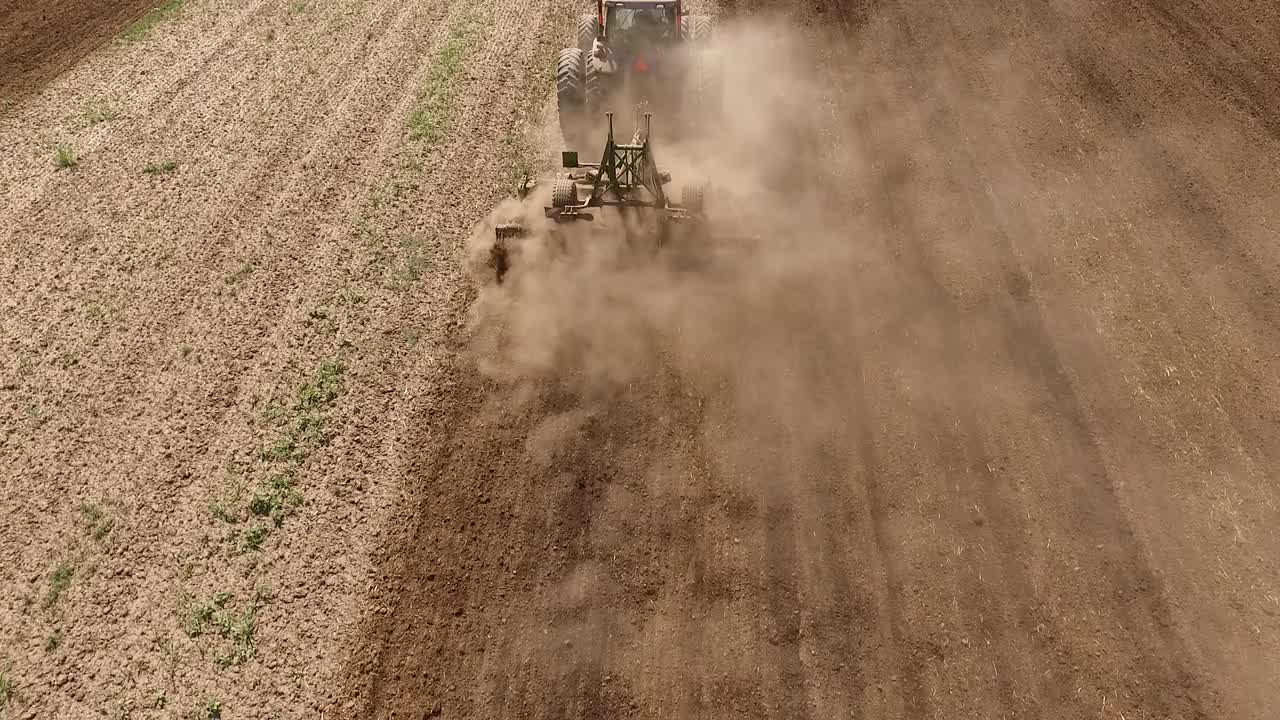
pixel 979 419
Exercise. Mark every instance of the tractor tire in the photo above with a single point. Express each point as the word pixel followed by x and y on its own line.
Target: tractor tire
pixel 693 198
pixel 696 28
pixel 563 193
pixel 571 84
pixel 594 94
pixel 588 28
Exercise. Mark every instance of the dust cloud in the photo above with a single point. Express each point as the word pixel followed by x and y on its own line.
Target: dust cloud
pixel 592 310
pixel 701 398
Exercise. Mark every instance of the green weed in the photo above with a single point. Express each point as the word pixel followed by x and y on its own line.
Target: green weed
pixel 59 581
pixel 98 522
pixel 99 112
pixel 254 538
pixel 428 121
pixel 7 689
pixel 276 498
pixel 163 168
pixel 322 388
pixel 53 640
pixel 284 449
pixel 65 158
pixel 235 626
pixel 223 506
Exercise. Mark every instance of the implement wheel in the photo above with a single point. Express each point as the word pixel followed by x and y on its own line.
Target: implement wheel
pixel 693 198
pixel 563 193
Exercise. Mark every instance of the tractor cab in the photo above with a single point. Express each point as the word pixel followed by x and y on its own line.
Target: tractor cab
pixel 641 23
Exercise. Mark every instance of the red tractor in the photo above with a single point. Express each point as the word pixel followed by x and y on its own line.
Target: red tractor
pixel 629 53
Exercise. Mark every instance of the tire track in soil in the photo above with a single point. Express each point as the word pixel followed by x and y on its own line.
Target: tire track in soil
pixel 959 449
pixel 1193 326
pixel 1092 496
pixel 1093 501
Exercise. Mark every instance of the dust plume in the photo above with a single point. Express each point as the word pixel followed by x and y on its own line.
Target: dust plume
pixel 715 372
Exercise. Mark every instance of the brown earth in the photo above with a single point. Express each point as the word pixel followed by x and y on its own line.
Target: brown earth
pixel 39 40
pixel 981 422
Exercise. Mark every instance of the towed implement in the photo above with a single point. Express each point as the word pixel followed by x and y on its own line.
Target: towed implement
pixel 626 178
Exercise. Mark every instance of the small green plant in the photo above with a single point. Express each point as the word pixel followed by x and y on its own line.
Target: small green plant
pixel 239 629
pixel 241 273
pixel 99 112
pixel 101 529
pixel 219 510
pixel 298 8
pixel 323 387
pixel 140 29
pixel 213 709
pixel 53 640
pixel 185 350
pixel 196 618
pixel 7 689
pixel 59 581
pixel 235 626
pixel 163 168
pixel 427 122
pixel 273 412
pixel 284 449
pixel 65 158
pixel 224 505
pixel 254 538
pixel 98 522
pixel 312 431
pixel 276 498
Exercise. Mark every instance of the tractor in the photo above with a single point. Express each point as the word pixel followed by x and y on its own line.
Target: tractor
pixel 626 179
pixel 628 53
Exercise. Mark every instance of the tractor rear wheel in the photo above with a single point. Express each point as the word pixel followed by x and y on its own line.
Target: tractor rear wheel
pixel 594 93
pixel 588 27
pixel 697 28
pixel 570 92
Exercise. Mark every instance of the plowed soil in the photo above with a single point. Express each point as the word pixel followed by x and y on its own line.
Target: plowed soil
pixel 40 40
pixel 975 414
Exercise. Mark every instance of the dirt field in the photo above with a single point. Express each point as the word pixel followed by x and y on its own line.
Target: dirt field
pixel 982 422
